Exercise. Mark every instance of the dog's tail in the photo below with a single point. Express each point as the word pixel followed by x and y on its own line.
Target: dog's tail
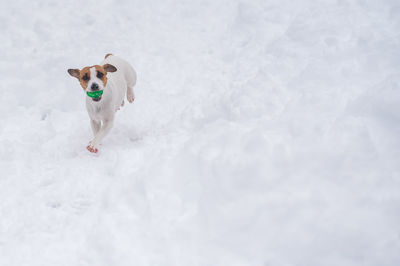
pixel 107 55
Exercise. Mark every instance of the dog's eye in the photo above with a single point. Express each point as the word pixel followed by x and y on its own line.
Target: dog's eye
pixel 85 77
pixel 99 74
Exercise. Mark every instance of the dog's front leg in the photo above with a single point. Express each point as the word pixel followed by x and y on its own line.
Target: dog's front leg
pixel 96 125
pixel 94 144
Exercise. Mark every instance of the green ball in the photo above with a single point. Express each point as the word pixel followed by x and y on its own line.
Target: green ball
pixel 94 94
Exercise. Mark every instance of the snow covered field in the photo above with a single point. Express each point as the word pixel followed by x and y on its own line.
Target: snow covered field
pixel 264 132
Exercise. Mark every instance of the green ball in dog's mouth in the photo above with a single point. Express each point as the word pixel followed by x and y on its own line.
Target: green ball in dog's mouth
pixel 94 94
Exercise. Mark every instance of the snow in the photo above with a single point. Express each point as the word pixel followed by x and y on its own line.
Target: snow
pixel 263 132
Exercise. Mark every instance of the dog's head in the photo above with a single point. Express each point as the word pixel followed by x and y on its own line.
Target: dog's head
pixel 93 78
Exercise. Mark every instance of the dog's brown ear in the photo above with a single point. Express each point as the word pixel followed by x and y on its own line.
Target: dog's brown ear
pixel 109 68
pixel 74 72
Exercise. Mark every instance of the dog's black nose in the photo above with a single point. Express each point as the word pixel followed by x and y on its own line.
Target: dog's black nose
pixel 94 87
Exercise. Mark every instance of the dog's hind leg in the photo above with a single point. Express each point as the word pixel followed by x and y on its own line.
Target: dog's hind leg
pixel 130 77
pixel 130 95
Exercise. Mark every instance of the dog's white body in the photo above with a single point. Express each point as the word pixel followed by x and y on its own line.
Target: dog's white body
pixel 119 84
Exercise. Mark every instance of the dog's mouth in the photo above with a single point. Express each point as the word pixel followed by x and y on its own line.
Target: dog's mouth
pixel 96 99
pixel 95 95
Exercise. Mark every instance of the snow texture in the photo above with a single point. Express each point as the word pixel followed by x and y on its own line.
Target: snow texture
pixel 263 132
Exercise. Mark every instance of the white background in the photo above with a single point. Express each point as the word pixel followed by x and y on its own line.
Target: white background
pixel 263 133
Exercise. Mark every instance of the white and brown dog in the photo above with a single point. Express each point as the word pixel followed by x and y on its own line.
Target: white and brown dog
pixel 109 81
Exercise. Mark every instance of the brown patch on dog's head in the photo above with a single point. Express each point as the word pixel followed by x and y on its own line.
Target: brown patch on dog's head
pixel 91 73
pixel 101 74
pixel 84 77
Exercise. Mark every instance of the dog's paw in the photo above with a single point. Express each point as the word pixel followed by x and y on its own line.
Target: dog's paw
pixel 92 148
pixel 122 104
pixel 130 97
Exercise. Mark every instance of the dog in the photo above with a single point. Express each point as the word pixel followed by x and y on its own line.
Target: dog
pixel 106 86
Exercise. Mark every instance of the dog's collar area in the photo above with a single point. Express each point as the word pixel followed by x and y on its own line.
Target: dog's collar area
pixel 94 94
